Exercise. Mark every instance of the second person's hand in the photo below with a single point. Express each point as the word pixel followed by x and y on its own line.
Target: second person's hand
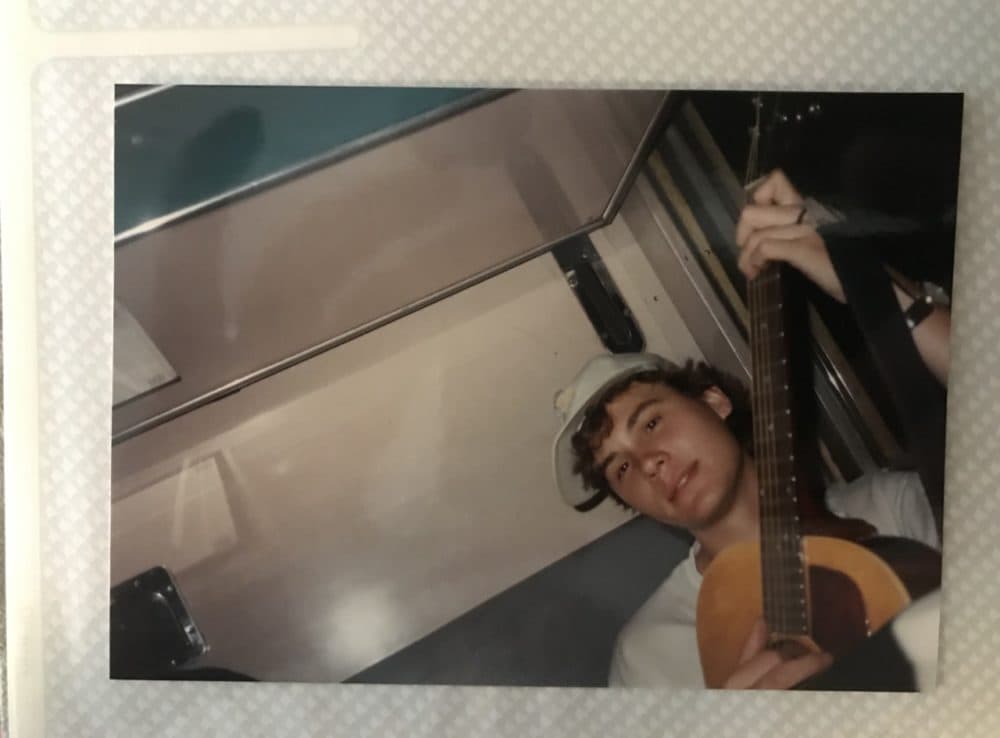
pixel 762 668
pixel 772 229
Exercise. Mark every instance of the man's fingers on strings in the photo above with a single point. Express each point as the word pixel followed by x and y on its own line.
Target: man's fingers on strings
pixel 756 217
pixel 777 233
pixel 745 264
pixel 753 671
pixel 754 661
pixel 798 250
pixel 790 673
pixel 754 258
pixel 776 189
pixel 756 641
pixel 748 263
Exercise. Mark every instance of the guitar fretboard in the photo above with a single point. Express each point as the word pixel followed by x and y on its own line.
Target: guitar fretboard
pixel 784 579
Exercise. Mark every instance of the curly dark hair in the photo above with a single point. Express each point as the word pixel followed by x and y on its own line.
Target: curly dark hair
pixel 690 380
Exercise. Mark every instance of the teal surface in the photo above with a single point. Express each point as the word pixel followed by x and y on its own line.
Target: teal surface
pixel 189 143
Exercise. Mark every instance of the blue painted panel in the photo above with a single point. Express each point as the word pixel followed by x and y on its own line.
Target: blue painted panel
pixel 189 143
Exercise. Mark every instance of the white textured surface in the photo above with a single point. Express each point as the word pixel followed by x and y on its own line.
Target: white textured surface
pixel 934 45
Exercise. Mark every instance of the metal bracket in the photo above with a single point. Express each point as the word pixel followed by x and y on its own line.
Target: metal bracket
pixel 598 295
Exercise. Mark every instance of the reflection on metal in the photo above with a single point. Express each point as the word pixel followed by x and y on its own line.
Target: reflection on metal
pixel 681 211
pixel 654 129
pixel 854 402
pixel 837 425
pixel 327 158
pixel 139 94
pixel 187 511
pixel 237 384
pixel 709 322
pixel 239 294
pixel 703 189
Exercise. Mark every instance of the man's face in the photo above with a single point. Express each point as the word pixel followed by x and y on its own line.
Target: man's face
pixel 669 456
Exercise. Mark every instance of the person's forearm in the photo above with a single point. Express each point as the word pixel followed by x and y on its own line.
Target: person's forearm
pixel 932 336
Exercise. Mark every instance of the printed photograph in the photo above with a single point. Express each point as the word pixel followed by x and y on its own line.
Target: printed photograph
pixel 531 387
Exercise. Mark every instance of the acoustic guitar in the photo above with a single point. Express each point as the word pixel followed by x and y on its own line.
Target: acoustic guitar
pixel 818 581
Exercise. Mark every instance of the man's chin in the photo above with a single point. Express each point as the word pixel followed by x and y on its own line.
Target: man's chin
pixel 711 511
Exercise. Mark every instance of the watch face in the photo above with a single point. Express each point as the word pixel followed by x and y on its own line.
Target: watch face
pixel 937 293
pixel 918 311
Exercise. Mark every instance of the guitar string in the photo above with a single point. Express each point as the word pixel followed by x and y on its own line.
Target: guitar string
pixel 775 513
pixel 798 576
pixel 765 501
pixel 789 543
pixel 772 573
pixel 766 298
pixel 778 387
pixel 790 539
pixel 768 519
pixel 759 451
pixel 779 584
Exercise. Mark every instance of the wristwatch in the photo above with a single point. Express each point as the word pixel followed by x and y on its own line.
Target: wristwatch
pixel 926 296
pixel 919 309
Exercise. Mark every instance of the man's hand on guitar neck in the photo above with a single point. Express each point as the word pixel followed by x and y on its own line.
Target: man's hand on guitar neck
pixel 763 668
pixel 776 227
pixel 776 189
pixel 772 228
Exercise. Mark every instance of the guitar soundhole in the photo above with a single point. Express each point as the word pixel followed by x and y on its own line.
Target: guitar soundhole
pixel 839 621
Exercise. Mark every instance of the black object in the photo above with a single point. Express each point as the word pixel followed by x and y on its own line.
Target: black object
pixel 920 309
pixel 152 632
pixel 916 394
pixel 598 295
pixel 878 665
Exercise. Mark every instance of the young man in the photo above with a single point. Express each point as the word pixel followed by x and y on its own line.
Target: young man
pixel 674 443
pixel 671 443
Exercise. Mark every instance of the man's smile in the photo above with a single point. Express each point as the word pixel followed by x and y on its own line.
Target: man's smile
pixel 682 481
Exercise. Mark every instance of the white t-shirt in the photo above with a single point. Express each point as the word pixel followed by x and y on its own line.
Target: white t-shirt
pixel 658 647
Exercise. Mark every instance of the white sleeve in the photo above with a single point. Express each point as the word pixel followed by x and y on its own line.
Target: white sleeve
pixel 894 502
pixel 658 647
pixel 909 505
pixel 656 654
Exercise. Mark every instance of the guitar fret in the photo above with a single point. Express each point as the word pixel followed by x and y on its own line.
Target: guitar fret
pixel 783 573
pixel 778 440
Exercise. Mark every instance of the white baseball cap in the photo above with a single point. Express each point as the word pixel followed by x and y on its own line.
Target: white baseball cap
pixel 572 404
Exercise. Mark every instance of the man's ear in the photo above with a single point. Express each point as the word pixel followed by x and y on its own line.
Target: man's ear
pixel 718 400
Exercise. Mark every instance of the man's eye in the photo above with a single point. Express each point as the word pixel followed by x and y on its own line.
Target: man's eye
pixel 653 422
pixel 622 469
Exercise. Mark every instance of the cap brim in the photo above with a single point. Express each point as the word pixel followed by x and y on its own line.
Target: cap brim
pixel 570 484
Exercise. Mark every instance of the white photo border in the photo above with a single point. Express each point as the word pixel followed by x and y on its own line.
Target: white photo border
pixel 884 46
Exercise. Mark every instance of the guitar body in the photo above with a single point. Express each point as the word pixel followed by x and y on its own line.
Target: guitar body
pixel 853 589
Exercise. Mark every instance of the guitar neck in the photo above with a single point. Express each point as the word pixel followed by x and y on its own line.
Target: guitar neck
pixel 785 586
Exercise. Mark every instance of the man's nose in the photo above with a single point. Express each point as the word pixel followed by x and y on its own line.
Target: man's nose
pixel 653 463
